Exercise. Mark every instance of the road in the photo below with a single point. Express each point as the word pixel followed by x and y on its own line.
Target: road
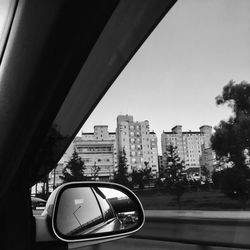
pixel 200 227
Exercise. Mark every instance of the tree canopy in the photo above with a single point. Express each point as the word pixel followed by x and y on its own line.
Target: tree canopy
pixel 174 173
pixel 232 138
pixel 121 173
pixel 175 167
pixel 142 176
pixel 74 170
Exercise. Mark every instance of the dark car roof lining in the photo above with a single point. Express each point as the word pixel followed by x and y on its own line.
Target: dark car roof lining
pixel 43 50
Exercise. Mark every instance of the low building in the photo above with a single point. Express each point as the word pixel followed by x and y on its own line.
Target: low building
pixel 98 151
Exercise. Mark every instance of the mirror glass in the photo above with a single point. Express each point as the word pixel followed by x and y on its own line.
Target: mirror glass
pixel 96 210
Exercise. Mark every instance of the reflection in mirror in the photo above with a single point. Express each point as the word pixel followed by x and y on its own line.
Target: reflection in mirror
pixel 95 210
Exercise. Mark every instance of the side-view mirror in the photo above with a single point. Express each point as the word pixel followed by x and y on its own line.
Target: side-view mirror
pixel 94 211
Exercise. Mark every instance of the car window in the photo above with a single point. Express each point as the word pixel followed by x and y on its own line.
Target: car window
pixel 174 125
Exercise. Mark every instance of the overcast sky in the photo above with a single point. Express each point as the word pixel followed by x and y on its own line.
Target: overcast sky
pixel 175 76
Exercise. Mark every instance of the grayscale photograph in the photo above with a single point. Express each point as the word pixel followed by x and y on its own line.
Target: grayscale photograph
pixel 125 124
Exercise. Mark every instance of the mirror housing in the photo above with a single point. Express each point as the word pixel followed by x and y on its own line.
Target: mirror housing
pixel 93 211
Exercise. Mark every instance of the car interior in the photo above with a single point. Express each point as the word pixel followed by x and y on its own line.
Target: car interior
pixel 58 58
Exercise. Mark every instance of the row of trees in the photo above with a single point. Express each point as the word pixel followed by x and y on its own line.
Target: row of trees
pixel 74 171
pixel 139 177
pixel 173 175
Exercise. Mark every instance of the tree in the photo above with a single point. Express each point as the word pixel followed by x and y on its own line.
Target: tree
pixel 232 138
pixel 74 170
pixel 121 174
pixel 141 176
pixel 175 173
pixel 94 171
pixel 175 167
pixel 205 172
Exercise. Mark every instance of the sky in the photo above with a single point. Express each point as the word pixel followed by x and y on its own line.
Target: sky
pixel 175 76
pixel 173 79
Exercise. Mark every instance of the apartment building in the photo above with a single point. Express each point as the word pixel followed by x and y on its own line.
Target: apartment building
pixel 193 147
pixel 139 144
pixel 98 150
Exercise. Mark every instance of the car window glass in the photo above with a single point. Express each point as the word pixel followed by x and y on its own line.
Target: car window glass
pixel 152 130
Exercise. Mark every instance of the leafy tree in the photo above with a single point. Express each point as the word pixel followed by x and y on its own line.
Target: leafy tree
pixel 121 174
pixel 74 170
pixel 217 177
pixel 175 167
pixel 175 173
pixel 232 138
pixel 236 184
pixel 94 171
pixel 141 176
pixel 205 172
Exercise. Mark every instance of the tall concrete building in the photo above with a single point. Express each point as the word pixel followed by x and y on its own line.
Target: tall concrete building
pixel 192 147
pixel 139 144
pixel 98 150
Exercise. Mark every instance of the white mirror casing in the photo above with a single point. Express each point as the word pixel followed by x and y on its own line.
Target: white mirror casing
pixel 85 213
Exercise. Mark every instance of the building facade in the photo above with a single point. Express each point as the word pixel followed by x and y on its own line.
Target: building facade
pixel 139 144
pixel 98 151
pixel 193 147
